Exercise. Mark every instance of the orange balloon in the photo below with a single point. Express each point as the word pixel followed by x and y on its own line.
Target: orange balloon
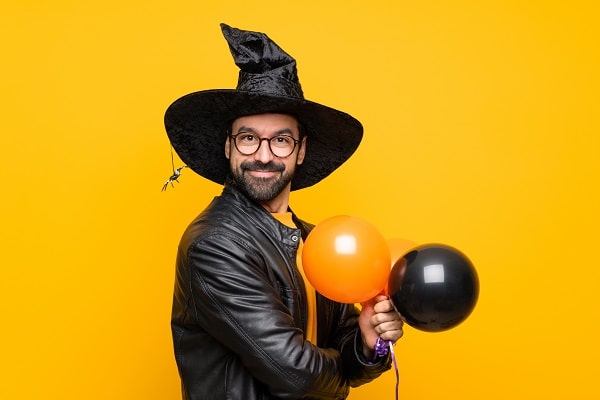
pixel 346 259
pixel 398 249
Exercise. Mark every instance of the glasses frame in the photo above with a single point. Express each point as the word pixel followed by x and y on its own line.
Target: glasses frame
pixel 260 140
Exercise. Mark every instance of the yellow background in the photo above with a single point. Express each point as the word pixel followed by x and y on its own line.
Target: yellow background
pixel 481 131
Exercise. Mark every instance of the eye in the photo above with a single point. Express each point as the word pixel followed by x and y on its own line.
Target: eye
pixel 246 138
pixel 282 140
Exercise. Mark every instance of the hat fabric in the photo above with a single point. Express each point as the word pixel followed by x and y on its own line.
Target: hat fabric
pixel 268 82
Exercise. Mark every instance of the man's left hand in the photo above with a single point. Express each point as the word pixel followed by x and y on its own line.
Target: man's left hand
pixel 379 319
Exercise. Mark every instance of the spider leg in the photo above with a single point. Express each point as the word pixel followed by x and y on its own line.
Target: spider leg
pixel 173 178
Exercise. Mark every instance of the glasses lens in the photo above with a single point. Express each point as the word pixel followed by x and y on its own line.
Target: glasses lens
pixel 248 144
pixel 282 146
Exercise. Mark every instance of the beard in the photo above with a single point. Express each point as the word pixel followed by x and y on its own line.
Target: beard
pixel 262 189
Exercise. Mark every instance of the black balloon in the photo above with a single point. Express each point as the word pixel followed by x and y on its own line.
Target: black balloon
pixel 434 287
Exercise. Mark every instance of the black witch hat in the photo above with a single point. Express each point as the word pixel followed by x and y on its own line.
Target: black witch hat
pixel 268 83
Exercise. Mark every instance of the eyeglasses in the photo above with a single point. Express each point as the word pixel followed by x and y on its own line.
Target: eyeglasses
pixel 248 143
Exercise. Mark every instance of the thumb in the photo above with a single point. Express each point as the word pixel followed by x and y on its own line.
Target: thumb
pixel 369 303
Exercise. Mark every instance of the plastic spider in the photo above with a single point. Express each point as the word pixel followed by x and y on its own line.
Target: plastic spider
pixel 173 178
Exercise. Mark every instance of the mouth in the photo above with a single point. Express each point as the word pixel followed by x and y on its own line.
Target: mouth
pixel 258 170
pixel 258 173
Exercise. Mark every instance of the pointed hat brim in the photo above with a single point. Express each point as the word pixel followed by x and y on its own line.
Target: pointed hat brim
pixel 197 126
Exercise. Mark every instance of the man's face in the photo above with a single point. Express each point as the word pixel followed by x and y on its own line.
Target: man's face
pixel 263 175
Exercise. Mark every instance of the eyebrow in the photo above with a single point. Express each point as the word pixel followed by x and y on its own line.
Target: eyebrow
pixel 276 133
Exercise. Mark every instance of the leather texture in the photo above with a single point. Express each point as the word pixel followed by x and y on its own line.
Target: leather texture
pixel 239 312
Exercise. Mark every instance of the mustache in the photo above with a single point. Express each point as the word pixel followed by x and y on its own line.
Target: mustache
pixel 258 166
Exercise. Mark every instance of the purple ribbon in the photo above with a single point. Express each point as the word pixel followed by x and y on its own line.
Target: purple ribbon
pixel 382 348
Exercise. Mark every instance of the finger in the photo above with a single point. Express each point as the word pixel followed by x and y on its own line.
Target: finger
pixel 379 318
pixel 388 329
pixel 388 325
pixel 380 297
pixel 383 306
pixel 375 300
pixel 392 336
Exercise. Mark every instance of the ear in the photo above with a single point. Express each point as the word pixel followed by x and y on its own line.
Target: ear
pixel 301 151
pixel 227 147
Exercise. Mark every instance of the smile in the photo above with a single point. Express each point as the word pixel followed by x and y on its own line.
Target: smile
pixel 263 173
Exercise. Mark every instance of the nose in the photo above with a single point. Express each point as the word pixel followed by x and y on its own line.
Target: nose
pixel 263 154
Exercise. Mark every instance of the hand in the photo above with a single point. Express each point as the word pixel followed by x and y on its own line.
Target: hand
pixel 378 318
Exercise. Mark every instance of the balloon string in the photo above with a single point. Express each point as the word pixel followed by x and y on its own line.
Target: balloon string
pixel 395 367
pixel 382 347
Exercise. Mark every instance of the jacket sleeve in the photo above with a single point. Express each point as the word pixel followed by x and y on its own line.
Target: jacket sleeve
pixel 234 298
pixel 342 332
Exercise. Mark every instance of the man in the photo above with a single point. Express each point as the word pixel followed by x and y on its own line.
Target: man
pixel 246 324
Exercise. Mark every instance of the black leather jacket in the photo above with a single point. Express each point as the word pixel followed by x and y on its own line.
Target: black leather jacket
pixel 239 313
